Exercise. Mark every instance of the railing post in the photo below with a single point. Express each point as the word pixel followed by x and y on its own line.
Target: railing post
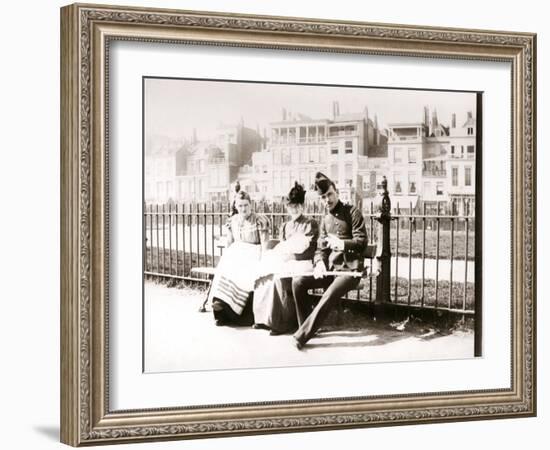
pixel 383 252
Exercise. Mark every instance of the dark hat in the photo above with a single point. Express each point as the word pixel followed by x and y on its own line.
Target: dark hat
pixel 322 183
pixel 296 195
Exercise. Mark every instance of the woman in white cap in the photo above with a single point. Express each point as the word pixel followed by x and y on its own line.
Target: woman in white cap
pixel 231 293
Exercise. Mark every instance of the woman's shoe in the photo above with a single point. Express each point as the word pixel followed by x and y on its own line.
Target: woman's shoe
pixel 260 326
pixel 276 333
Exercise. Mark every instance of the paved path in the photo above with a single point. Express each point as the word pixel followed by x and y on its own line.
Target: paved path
pixel 179 338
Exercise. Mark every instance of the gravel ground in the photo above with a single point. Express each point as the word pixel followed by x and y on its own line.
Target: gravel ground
pixel 179 338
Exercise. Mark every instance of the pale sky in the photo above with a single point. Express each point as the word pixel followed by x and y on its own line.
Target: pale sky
pixel 174 107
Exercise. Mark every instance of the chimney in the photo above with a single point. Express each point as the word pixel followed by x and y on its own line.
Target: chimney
pixel 366 112
pixel 335 110
pixel 470 115
pixel 194 135
pixel 284 114
pixel 426 116
pixel 434 118
pixel 453 121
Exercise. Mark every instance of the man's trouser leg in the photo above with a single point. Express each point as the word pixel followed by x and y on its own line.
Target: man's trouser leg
pixel 333 293
pixel 302 299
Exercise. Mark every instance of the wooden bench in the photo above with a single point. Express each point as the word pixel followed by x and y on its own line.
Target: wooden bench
pixel 369 254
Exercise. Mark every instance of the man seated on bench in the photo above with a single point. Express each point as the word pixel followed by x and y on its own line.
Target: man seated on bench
pixel 342 240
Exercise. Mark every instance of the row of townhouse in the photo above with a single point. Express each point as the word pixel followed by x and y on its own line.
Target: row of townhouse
pixel 429 164
pixel 425 163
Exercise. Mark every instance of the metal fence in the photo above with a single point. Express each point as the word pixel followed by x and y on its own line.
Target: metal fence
pixel 431 255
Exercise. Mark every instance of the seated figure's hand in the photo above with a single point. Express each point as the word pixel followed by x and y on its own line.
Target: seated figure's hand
pixel 297 243
pixel 335 243
pixel 319 270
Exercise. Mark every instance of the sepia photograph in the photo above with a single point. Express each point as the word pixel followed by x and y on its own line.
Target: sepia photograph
pixel 290 225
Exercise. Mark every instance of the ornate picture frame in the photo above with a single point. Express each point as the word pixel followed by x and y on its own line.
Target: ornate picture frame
pixel 86 34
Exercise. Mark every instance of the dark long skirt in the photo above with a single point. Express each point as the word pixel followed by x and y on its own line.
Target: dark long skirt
pixel 224 315
pixel 274 305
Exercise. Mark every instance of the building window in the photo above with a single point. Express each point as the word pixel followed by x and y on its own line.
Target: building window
pixel 323 155
pixel 313 154
pixel 334 172
pixel 454 207
pixel 412 155
pixel 455 176
pixel 470 131
pixel 397 188
pixel 303 134
pixel 321 136
pixel 467 176
pixel 312 134
pixel 285 177
pixel 334 148
pixel 349 147
pixel 292 135
pixel 365 185
pixel 285 157
pixel 277 156
pixel 439 188
pixel 348 174
pixel 284 134
pixel 427 188
pixel 398 155
pixel 452 150
pixel 200 189
pixel 412 183
pixel 303 155
pixel 470 149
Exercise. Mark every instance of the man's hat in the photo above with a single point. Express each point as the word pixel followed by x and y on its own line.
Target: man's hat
pixel 297 195
pixel 322 183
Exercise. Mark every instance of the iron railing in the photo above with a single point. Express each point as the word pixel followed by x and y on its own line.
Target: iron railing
pixel 431 264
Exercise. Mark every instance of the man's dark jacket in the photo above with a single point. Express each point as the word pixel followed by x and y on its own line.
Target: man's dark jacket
pixel 347 223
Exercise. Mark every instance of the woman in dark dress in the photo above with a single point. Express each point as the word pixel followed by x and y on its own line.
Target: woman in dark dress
pixel 274 307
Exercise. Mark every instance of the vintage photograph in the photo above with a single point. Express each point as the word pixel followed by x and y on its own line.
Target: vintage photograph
pixel 291 225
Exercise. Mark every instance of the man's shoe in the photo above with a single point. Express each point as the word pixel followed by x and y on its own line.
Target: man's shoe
pixel 260 326
pixel 276 332
pixel 298 344
pixel 219 322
